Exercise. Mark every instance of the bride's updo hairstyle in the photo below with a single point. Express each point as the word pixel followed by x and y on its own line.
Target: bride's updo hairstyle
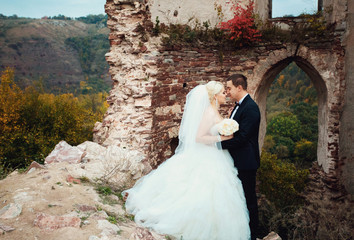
pixel 213 88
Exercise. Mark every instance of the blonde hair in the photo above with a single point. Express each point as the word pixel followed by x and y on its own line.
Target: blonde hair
pixel 213 88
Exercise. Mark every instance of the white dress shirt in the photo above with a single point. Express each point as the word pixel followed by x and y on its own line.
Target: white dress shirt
pixel 235 110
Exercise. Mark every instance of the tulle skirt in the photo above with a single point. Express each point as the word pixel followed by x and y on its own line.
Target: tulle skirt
pixel 195 195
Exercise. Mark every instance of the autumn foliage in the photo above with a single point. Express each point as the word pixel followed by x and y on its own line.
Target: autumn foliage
pixel 281 181
pixel 32 122
pixel 242 27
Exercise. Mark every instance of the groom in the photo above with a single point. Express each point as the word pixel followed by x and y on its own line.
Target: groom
pixel 244 147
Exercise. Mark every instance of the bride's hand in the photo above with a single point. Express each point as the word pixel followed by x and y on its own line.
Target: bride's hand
pixel 230 111
pixel 223 138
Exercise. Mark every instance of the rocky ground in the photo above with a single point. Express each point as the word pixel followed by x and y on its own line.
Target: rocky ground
pixel 70 197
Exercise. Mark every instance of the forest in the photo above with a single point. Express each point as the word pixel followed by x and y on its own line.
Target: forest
pixel 292 127
pixel 33 121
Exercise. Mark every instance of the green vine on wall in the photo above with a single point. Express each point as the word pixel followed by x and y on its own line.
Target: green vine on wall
pixel 245 29
pixel 302 29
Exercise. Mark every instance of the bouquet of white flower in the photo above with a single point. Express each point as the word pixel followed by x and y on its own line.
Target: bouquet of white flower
pixel 227 127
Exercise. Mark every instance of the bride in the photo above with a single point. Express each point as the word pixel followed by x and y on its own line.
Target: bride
pixel 195 194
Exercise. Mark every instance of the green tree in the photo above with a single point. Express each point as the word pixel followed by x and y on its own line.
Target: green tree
pixel 61 17
pixel 10 126
pixel 285 124
pixel 94 19
pixel 307 115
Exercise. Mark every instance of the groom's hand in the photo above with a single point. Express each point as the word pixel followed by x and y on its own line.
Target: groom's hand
pixel 223 138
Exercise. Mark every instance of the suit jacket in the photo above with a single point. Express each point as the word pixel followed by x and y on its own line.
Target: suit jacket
pixel 244 147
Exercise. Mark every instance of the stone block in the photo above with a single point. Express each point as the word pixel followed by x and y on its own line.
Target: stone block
pixel 48 222
pixel 11 210
pixel 141 234
pixel 63 152
pixel 34 165
pixel 6 228
pixel 107 227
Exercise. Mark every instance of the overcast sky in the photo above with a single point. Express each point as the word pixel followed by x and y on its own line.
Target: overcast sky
pixel 78 8
pixel 293 7
pixel 40 8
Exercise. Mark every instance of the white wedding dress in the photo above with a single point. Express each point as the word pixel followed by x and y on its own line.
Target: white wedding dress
pixel 195 194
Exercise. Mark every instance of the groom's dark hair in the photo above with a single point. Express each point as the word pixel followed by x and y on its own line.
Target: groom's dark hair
pixel 237 80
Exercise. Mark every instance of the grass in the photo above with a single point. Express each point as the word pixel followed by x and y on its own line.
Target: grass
pixel 84 179
pixel 104 190
pixel 112 219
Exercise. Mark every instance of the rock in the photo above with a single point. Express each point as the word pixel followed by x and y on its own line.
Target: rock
pixel 22 197
pixel 6 228
pixel 85 208
pixel 46 177
pixel 30 170
pixel 122 167
pixel 93 150
pixel 100 215
pixel 71 179
pixel 141 234
pixel 107 228
pixel 113 210
pixel 63 152
pixel 272 236
pixel 115 165
pixel 93 237
pixel 34 165
pixel 11 210
pixel 49 222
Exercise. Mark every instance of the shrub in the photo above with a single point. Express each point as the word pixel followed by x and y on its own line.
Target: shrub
pixel 280 181
pixel 284 147
pixel 269 143
pixel 305 151
pixel 242 27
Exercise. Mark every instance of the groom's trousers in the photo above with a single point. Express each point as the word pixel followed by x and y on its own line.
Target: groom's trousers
pixel 248 179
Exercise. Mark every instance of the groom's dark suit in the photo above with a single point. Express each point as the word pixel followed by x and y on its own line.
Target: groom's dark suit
pixel 244 150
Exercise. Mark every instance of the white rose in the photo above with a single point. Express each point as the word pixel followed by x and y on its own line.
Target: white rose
pixel 227 127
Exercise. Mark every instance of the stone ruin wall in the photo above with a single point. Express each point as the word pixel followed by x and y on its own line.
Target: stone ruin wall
pixel 346 138
pixel 151 81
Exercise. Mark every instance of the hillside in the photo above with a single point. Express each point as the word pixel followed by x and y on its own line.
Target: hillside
pixel 61 52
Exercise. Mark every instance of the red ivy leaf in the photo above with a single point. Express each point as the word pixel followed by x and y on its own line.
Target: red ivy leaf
pixel 242 25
